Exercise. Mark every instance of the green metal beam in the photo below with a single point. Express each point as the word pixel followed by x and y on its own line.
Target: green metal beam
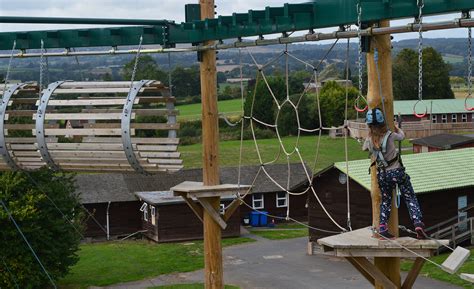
pixel 99 21
pixel 290 17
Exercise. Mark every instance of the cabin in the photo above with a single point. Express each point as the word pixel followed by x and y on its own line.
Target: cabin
pixel 441 142
pixel 444 116
pixel 167 218
pixel 443 182
pixel 112 196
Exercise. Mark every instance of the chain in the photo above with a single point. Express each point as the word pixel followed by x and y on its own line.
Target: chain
pixel 421 4
pixel 41 67
pixel 469 62
pixel 359 35
pixel 137 58
pixel 7 74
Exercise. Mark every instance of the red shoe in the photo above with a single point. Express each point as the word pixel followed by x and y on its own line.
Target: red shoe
pixel 420 231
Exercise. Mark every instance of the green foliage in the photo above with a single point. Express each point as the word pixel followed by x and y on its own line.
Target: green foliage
pixel 147 69
pixel 332 100
pixel 186 81
pixel 52 237
pixel 435 75
pixel 189 286
pixel 306 112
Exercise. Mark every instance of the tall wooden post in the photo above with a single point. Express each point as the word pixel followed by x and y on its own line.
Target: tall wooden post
pixel 389 266
pixel 210 156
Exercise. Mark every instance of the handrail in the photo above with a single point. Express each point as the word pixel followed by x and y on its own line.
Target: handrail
pixel 452 230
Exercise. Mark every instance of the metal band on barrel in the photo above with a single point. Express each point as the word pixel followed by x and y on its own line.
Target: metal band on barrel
pixel 40 133
pixel 125 125
pixel 3 143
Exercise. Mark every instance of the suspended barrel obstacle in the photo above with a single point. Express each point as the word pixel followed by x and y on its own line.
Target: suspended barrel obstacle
pixel 90 126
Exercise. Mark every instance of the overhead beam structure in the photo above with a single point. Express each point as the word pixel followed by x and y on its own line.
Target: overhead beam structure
pixel 287 18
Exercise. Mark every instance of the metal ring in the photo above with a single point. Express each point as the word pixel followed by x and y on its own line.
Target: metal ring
pixel 39 131
pixel 7 157
pixel 420 115
pixel 361 109
pixel 466 105
pixel 125 125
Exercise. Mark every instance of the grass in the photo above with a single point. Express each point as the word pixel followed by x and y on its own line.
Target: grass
pixel 104 264
pixel 331 150
pixel 430 270
pixel 282 234
pixel 290 226
pixel 453 59
pixel 193 111
pixel 189 286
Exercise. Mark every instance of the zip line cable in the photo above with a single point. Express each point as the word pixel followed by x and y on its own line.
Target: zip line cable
pixel 27 243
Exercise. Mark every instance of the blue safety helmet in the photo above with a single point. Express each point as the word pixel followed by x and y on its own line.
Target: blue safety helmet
pixel 375 117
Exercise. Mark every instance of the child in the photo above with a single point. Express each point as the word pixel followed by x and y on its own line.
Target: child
pixel 390 172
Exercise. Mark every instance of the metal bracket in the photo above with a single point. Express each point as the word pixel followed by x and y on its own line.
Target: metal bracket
pixel 40 133
pixel 3 108
pixel 125 125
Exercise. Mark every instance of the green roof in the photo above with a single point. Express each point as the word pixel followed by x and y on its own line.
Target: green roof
pixel 437 106
pixel 428 171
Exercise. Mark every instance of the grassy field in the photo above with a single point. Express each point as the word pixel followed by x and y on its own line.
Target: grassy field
pixel 104 264
pixel 453 59
pixel 193 111
pixel 189 286
pixel 331 150
pixel 434 272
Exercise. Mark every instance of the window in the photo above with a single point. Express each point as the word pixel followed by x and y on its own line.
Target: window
pixel 153 214
pixel 434 118
pixel 144 209
pixel 282 200
pixel 454 117
pixel 257 201
pixel 444 118
pixel 222 209
pixel 464 117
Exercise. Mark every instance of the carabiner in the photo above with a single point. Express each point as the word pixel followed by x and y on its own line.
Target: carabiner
pixel 420 115
pixel 357 101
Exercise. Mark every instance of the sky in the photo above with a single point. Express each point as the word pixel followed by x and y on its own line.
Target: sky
pixel 156 9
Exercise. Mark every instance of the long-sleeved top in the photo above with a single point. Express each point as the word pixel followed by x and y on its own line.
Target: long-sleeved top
pixel 391 152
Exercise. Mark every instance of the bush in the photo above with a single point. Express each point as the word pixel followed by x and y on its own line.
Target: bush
pixel 53 238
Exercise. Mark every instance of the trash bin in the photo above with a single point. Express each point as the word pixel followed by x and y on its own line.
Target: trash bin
pixel 254 219
pixel 263 219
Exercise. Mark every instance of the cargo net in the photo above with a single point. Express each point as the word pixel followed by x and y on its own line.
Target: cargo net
pixel 283 101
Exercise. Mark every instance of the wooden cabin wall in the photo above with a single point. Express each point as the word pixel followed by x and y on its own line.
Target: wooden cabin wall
pixel 124 219
pixel 177 222
pixel 298 208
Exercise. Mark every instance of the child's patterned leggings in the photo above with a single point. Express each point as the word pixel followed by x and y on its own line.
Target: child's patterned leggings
pixel 387 181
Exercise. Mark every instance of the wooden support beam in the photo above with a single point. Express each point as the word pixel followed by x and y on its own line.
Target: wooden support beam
pixel 389 266
pixel 231 209
pixel 413 274
pixel 213 212
pixel 361 270
pixel 375 273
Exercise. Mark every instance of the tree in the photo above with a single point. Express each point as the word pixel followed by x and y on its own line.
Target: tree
pixel 332 100
pixel 186 81
pixel 435 75
pixel 53 238
pixel 147 69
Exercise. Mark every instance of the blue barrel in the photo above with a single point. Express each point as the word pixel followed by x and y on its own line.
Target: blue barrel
pixel 254 219
pixel 263 219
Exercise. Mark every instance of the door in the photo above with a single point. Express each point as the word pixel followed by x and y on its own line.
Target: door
pixel 462 216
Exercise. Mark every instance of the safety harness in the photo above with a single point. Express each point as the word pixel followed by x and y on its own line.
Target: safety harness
pixel 378 153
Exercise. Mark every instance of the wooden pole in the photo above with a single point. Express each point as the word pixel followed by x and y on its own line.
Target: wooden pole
pixel 210 155
pixel 389 266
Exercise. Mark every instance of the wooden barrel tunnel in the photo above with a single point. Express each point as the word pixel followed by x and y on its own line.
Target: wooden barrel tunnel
pixel 89 126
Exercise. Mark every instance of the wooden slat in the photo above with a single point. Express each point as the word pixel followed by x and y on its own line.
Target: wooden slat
pixel 374 272
pixel 100 165
pixel 143 126
pixel 28 126
pixel 28 113
pixel 361 270
pixel 23 147
pixel 25 159
pixel 157 148
pixel 86 132
pixel 106 84
pixel 87 146
pixel 87 102
pixel 84 116
pixel 26 153
pixel 20 139
pixel 139 111
pixel 159 155
pixel 85 160
pixel 170 167
pixel 166 161
pixel 134 140
pixel 87 154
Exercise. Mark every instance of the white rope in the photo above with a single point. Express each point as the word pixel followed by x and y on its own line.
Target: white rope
pixel 346 132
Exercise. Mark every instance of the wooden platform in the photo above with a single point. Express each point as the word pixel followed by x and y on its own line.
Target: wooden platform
pixel 359 245
pixel 198 190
